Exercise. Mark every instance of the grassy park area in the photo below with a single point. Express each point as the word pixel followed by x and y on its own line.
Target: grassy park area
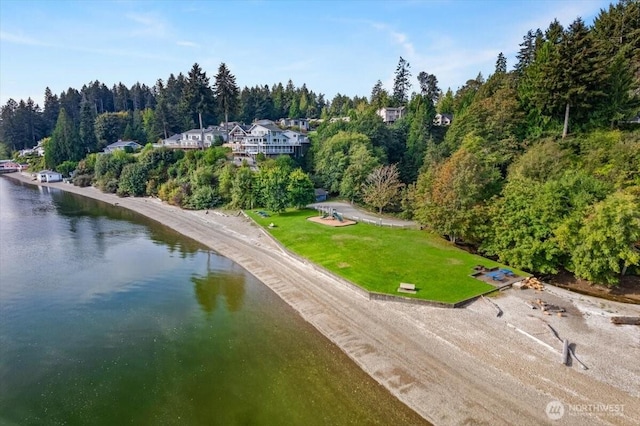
pixel 379 258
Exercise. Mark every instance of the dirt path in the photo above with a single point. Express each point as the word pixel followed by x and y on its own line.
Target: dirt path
pixel 462 366
pixel 353 212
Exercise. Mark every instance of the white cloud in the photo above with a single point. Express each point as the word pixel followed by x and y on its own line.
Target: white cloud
pixel 148 24
pixel 443 57
pixel 20 39
pixel 187 44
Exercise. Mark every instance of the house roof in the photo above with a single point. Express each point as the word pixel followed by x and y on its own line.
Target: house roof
pixel 271 127
pixel 122 144
pixel 264 122
pixel 244 128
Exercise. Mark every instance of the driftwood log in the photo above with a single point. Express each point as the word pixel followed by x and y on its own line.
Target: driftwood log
pixel 626 320
pixel 498 310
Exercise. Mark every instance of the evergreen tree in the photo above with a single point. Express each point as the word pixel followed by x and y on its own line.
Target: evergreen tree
pixel 526 54
pixel 401 83
pixel 555 33
pixel 65 142
pixel 10 131
pixel 51 110
pixel 197 97
pixel 121 97
pixel 288 95
pixel 70 101
pixel 446 103
pixel 501 64
pixel 429 87
pixel 226 91
pixel 278 100
pixel 582 74
pixel 86 131
pixel 294 109
pixel 422 115
pixel 379 96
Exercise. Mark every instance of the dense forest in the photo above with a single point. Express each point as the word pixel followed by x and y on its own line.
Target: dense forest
pixel 540 167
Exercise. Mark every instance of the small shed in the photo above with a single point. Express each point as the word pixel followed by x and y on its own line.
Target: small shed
pixel 49 176
pixel 321 195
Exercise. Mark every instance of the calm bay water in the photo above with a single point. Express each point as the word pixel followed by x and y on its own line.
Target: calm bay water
pixel 109 318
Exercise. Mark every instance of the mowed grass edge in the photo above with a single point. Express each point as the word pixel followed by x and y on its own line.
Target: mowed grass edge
pixel 380 258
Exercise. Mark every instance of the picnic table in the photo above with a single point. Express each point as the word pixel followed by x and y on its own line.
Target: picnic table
pixel 496 275
pixel 507 272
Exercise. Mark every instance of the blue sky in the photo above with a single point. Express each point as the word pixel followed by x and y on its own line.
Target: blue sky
pixel 332 46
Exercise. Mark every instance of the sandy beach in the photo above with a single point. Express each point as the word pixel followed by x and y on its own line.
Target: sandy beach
pixel 452 366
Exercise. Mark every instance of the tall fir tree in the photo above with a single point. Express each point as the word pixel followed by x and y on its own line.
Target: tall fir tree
pixel 429 87
pixel 227 93
pixel 198 98
pixel 402 82
pixel 86 130
pixel 51 110
pixel 582 73
pixel 64 144
pixel 501 63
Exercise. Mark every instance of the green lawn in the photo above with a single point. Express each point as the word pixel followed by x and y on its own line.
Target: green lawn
pixel 380 258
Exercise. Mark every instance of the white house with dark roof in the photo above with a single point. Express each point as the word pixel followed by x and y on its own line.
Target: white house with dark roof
pixel 265 137
pixel 237 134
pixel 390 114
pixel 298 123
pixel 443 119
pixel 194 138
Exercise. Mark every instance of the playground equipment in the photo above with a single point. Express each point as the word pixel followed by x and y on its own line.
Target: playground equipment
pixel 330 213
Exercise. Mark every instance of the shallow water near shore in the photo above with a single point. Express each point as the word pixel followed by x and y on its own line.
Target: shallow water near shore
pixel 107 318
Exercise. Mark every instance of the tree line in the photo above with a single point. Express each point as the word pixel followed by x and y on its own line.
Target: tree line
pixel 539 169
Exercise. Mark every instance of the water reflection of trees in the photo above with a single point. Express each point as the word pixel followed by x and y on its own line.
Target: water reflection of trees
pixel 216 284
pixel 73 206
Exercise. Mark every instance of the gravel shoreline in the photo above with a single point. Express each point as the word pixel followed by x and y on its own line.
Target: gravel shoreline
pixel 452 366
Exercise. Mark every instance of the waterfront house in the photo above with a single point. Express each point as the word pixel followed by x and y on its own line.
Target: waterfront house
pixel 237 134
pixel 298 123
pixel 443 119
pixel 49 176
pixel 9 166
pixel 264 137
pixel 194 138
pixel 390 115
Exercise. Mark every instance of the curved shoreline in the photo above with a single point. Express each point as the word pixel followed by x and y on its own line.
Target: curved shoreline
pixel 450 366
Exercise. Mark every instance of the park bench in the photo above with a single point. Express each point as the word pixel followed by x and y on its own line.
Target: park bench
pixel 407 288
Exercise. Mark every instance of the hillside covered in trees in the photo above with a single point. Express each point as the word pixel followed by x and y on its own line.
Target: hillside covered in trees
pixel 540 167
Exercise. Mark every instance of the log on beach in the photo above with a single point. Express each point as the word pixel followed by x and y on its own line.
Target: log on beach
pixel 565 352
pixel 626 320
